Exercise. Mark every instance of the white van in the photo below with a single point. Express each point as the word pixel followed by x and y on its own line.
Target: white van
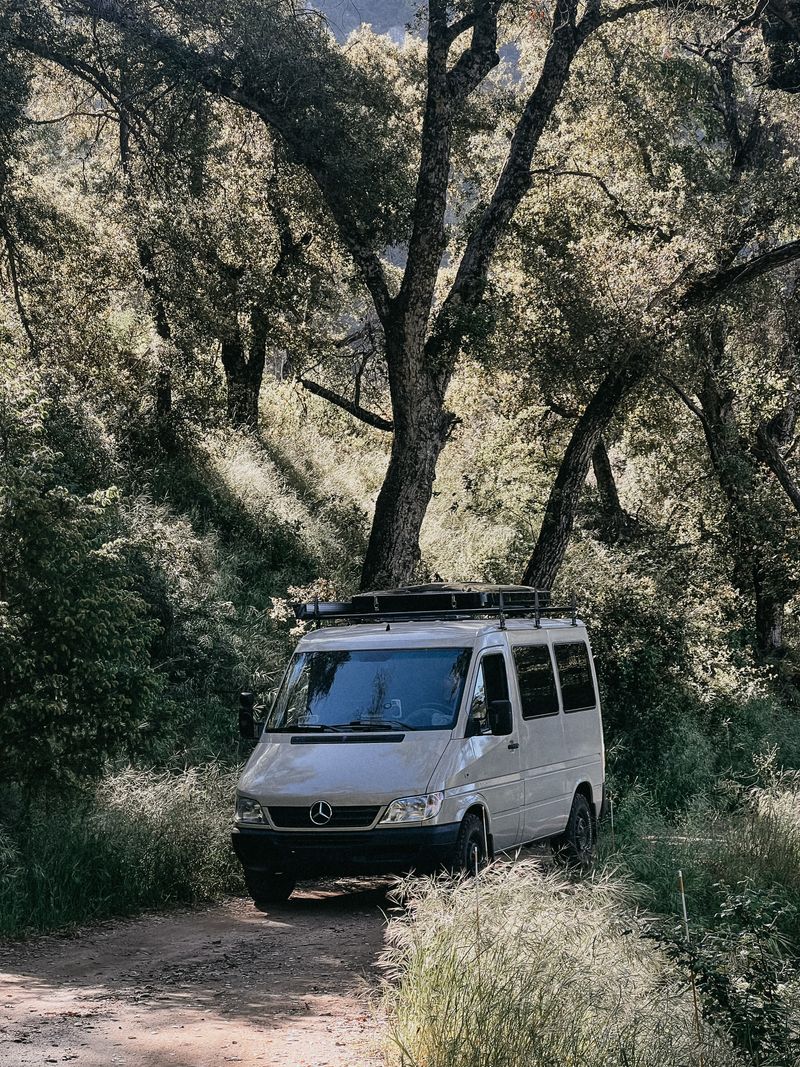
pixel 438 726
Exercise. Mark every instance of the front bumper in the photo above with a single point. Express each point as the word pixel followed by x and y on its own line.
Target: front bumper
pixel 335 852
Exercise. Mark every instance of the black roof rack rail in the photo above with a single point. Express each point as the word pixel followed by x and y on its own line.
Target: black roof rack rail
pixel 440 601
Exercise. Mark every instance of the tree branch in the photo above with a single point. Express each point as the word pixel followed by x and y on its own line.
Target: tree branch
pixel 631 223
pixel 33 43
pixel 515 178
pixel 687 400
pixel 767 452
pixel 713 284
pixel 25 322
pixel 481 56
pixel 363 414
pixel 742 24
pixel 639 7
pixel 446 92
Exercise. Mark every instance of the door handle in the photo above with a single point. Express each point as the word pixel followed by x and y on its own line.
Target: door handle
pixel 513 744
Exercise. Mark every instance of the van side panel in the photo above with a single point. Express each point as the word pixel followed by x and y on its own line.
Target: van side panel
pixel 583 732
pixel 542 760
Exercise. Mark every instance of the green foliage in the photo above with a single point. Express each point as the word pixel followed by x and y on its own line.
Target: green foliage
pixel 76 681
pixel 137 839
pixel 129 626
pixel 650 712
pixel 14 89
pixel 740 837
pixel 748 987
pixel 140 553
pixel 529 967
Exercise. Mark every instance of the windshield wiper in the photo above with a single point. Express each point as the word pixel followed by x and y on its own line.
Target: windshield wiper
pixel 381 724
pixel 317 727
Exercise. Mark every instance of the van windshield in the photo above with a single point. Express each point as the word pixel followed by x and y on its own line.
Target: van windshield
pixel 409 688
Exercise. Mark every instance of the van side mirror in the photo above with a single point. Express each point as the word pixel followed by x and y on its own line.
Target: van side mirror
pixel 247 718
pixel 501 719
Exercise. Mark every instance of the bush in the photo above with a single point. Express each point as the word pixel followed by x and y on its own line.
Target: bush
pixel 526 969
pixel 749 986
pixel 137 839
pixel 127 624
pixel 76 681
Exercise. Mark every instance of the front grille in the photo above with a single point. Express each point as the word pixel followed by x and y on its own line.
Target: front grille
pixel 343 817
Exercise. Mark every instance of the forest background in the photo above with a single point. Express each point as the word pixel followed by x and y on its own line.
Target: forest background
pixel 293 303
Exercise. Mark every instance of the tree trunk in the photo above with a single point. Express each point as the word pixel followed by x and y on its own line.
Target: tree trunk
pixel 244 370
pixel 780 28
pixel 752 572
pixel 393 551
pixel 615 519
pixel 559 515
pixel 769 614
pixel 153 290
pixel 769 436
pixel 243 389
pixel 163 393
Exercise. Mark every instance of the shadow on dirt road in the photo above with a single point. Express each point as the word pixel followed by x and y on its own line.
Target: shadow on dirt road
pixel 204 987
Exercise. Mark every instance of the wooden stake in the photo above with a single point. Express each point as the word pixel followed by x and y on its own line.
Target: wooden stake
pixel 698 1032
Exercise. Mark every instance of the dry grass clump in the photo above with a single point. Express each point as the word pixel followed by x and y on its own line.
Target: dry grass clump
pixel 529 969
pixel 775 826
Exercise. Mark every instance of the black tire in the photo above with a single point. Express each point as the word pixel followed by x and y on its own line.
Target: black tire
pixel 470 837
pixel 575 846
pixel 268 889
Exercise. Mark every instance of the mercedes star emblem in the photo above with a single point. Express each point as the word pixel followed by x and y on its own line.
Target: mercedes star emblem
pixel 320 813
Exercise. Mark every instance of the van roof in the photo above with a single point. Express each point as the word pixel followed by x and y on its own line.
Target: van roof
pixel 454 632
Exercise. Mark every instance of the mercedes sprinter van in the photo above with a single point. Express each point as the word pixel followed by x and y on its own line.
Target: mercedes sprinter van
pixel 419 728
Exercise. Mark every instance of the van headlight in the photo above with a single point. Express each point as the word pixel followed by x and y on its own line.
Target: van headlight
pixel 248 810
pixel 414 809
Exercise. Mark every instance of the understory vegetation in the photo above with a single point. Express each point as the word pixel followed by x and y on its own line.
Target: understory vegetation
pixel 528 965
pixel 138 839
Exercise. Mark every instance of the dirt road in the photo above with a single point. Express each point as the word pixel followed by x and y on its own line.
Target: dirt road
pixel 203 988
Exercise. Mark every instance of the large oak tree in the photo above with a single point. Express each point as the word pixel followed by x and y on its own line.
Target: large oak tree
pixel 279 63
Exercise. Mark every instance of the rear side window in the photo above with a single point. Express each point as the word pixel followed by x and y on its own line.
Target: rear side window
pixel 537 686
pixel 575 675
pixel 491 684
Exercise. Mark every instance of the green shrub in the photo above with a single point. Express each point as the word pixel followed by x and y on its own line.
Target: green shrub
pixel 748 984
pixel 527 969
pixel 138 839
pixel 76 680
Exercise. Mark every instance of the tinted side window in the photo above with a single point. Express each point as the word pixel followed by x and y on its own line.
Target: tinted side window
pixel 575 674
pixel 537 686
pixel 491 684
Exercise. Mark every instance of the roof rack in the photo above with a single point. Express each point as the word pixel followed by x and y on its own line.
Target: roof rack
pixel 440 601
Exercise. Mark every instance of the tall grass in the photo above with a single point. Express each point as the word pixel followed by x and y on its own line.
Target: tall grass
pixel 529 969
pixel 138 839
pixel 745 837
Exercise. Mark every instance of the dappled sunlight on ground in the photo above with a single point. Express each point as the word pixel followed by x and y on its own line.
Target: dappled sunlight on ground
pixel 204 987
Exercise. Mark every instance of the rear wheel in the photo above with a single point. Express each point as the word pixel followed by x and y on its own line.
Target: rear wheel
pixel 576 845
pixel 471 840
pixel 267 889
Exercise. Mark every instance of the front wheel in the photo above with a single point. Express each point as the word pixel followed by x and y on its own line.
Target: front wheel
pixel 471 840
pixel 267 889
pixel 576 845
